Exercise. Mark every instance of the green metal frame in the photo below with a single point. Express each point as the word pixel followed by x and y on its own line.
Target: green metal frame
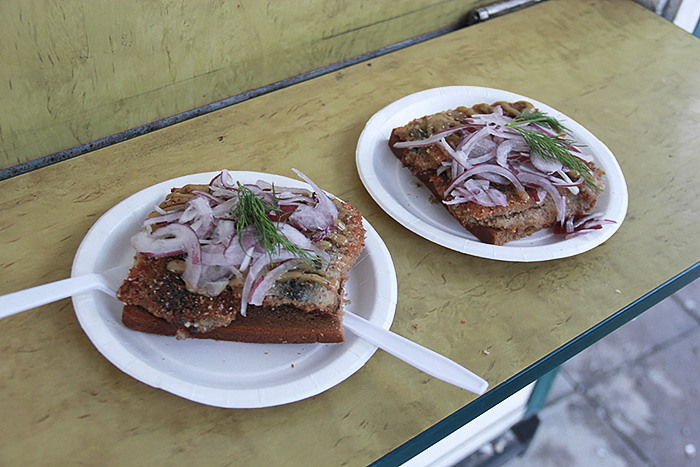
pixel 540 392
pixel 544 368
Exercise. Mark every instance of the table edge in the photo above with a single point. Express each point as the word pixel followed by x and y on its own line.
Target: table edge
pixel 550 362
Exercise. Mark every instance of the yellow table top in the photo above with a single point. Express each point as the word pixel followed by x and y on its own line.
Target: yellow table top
pixel 622 72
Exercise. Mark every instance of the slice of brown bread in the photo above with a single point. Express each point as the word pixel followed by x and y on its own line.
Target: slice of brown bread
pixel 304 306
pixel 283 325
pixel 495 225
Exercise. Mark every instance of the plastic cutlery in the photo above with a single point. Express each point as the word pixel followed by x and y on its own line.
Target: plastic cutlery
pixel 109 281
pixel 415 355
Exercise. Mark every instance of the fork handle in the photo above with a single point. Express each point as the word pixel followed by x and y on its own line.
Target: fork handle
pixel 27 299
pixel 424 359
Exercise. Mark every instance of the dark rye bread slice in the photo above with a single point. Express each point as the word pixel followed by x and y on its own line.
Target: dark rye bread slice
pixel 281 325
pixel 305 307
pixel 495 225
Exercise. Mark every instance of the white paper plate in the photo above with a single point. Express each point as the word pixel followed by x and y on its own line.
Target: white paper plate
pixel 225 374
pixel 394 188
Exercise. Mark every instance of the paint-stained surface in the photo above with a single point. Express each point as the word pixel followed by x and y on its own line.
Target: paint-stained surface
pixel 622 72
pixel 73 72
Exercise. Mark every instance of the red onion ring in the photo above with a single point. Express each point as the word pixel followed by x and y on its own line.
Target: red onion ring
pixel 488 168
pixel 205 234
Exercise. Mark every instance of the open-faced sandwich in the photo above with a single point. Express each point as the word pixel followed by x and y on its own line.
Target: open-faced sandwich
pixel 251 263
pixel 504 171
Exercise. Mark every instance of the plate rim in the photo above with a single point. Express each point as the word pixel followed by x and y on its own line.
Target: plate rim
pixel 466 243
pixel 117 352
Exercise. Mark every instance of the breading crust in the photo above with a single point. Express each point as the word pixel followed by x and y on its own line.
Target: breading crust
pixel 296 310
pixel 490 224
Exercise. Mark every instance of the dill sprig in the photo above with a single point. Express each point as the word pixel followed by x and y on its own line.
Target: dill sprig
pixel 540 118
pixel 550 146
pixel 254 211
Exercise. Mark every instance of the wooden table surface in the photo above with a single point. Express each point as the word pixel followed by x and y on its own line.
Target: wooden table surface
pixel 625 74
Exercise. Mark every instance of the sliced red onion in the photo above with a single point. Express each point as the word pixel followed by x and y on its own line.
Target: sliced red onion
pixel 492 177
pixel 215 278
pixel 480 192
pixel 572 186
pixel 193 267
pixel 547 166
pixel 534 180
pixel 171 240
pixel 588 226
pixel 165 218
pixel 295 236
pixel 585 219
pixel 223 193
pixel 242 250
pixel 468 143
pixel 266 186
pixel 432 139
pixel 213 200
pixel 305 243
pixel 199 214
pixel 566 182
pixel 288 192
pixel 595 223
pixel 224 230
pixel 249 238
pixel 323 234
pixel 168 240
pixel 472 157
pixel 495 118
pixel 205 234
pixel 322 255
pixel 462 153
pixel 489 168
pixel 224 209
pixel 569 224
pixel 541 194
pixel 459 159
pixel 482 148
pixel 498 198
pixel 216 181
pixel 160 210
pixel 318 217
pixel 478 188
pixel 509 134
pixel 288 198
pixel 263 286
pixel 255 274
pixel 213 255
pixel 234 254
pixel 482 159
pixel 259 192
pixel 503 151
pixel 450 151
pixel 223 180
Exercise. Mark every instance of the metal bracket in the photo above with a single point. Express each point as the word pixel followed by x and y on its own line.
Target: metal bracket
pixel 494 10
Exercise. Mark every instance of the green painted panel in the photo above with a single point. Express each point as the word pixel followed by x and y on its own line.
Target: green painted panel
pixel 73 72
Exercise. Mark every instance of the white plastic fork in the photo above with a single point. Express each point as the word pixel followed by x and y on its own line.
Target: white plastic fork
pixel 404 349
pixel 107 282
pixel 419 357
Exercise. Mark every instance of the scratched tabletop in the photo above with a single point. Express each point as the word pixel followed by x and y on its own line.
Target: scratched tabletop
pixel 626 75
